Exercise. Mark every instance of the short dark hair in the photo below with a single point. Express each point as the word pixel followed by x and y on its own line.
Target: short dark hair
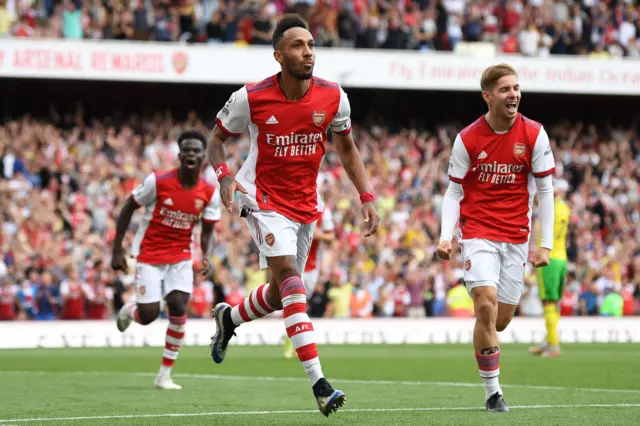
pixel 192 134
pixel 288 21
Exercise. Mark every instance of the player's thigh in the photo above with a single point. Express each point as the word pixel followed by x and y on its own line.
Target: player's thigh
pixel 481 264
pixel 149 282
pixel 310 279
pixel 513 263
pixel 303 243
pixel 179 277
pixel 274 235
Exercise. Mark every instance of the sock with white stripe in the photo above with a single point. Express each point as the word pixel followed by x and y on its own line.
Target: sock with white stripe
pixel 132 313
pixel 489 366
pixel 173 341
pixel 254 306
pixel 299 327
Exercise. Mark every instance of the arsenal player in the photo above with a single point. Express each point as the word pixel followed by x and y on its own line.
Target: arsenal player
pixel 497 163
pixel 174 201
pixel 288 116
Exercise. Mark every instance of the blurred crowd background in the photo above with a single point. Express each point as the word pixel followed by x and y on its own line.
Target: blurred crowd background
pixel 597 28
pixel 64 176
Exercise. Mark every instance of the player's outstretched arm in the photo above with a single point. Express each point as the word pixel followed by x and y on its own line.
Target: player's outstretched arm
pixel 118 260
pixel 352 163
pixel 458 167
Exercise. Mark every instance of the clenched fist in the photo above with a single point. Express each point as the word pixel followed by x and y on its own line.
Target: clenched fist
pixel 444 249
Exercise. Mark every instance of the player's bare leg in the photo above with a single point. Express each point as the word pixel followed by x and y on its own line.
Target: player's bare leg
pixel 177 306
pixel 292 294
pixel 487 348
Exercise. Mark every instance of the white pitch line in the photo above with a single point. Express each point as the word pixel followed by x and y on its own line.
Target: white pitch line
pixel 354 410
pixel 302 379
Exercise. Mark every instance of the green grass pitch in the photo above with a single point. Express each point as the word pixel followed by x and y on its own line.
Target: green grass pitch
pixel 590 384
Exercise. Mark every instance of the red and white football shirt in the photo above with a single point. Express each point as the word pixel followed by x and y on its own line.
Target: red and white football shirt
pixel 497 171
pixel 7 301
pixel 325 221
pixel 100 295
pixel 171 212
pixel 74 294
pixel 287 143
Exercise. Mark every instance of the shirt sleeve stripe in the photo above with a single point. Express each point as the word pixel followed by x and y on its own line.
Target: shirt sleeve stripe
pixel 219 123
pixel 543 174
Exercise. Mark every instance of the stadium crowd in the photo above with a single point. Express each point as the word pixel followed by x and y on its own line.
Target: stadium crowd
pixel 598 28
pixel 63 180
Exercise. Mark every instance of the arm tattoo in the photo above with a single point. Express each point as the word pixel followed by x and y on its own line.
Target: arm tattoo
pixel 348 167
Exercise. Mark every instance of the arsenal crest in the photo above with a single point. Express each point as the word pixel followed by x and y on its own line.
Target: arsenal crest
pixel 269 239
pixel 318 117
pixel 199 204
pixel 180 62
pixel 142 290
pixel 519 149
pixel 467 265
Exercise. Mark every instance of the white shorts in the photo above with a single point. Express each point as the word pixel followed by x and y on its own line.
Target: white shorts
pixel 310 279
pixel 154 282
pixel 501 265
pixel 276 235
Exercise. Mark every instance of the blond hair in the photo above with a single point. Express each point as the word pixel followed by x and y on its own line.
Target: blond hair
pixel 491 75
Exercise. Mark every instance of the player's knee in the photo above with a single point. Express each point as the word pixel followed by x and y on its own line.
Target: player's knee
pixel 486 310
pixel 148 313
pixel 177 303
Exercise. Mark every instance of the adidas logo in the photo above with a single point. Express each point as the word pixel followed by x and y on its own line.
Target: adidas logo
pixel 482 155
pixel 272 120
pixel 168 202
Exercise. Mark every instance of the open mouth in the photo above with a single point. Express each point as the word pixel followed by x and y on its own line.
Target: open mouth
pixel 191 162
pixel 512 107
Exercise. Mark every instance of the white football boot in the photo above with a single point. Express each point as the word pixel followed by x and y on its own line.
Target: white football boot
pixel 122 320
pixel 164 381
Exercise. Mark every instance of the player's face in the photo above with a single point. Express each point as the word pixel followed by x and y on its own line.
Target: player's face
pixel 191 154
pixel 504 99
pixel 297 53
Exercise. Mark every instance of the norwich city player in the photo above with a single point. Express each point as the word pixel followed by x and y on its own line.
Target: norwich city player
pixel 551 278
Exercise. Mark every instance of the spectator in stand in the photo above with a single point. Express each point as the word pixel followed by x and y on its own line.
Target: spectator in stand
pixel 201 300
pixel 339 295
pixel 6 19
pixel 75 294
pixel 8 300
pixel 47 302
pixel 319 300
pixel 589 301
pixel 72 20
